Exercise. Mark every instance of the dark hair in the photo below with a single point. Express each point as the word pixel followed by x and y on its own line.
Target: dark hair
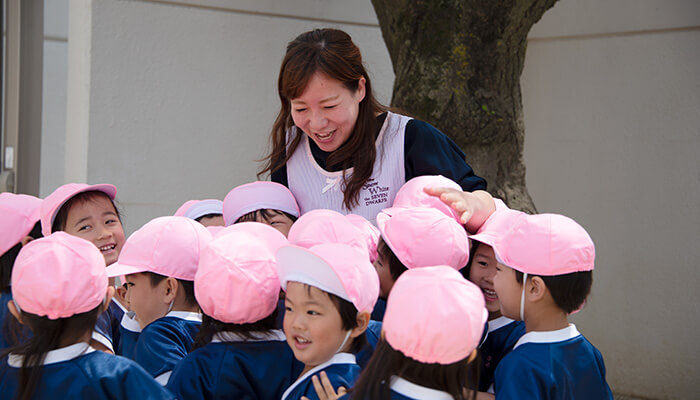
pixel 7 260
pixel 375 380
pixel 333 53
pixel 396 267
pixel 213 215
pixel 348 316
pixel 467 269
pixel 569 291
pixel 48 334
pixel 187 286
pixel 265 213
pixel 211 326
pixel 59 223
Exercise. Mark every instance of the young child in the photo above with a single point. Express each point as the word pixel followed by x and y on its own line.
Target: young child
pixel 433 323
pixel 238 354
pixel 417 237
pixel 207 212
pixel 266 202
pixel 503 332
pixel 330 292
pixel 160 261
pixel 19 214
pixel 88 211
pixel 59 287
pixel 545 272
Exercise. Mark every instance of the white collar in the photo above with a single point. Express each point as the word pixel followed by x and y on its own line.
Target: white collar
pixel 499 323
pixel 55 356
pixel 275 335
pixel 409 389
pixel 338 358
pixel 129 322
pixel 560 335
pixel 186 315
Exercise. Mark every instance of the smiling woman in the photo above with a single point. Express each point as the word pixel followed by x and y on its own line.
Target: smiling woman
pixel 360 153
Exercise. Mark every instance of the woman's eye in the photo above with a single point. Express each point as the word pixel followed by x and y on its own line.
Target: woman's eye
pixel 329 107
pixel 299 110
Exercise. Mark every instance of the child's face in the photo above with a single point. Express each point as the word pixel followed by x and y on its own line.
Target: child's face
pixel 312 324
pixel 386 281
pixel 508 290
pixel 96 220
pixel 481 273
pixel 215 220
pixel 146 301
pixel 277 220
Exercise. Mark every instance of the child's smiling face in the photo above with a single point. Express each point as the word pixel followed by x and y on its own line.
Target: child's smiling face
pixel 96 220
pixel 481 272
pixel 509 291
pixel 312 324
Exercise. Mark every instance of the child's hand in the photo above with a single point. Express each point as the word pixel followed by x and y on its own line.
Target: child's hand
pixel 473 207
pixel 324 389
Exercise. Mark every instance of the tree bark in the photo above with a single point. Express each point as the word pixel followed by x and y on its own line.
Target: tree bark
pixel 458 65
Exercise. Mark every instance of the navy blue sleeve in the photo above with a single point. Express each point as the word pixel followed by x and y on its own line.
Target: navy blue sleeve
pixel 430 152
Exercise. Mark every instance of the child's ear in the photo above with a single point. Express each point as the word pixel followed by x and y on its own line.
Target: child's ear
pixel 362 322
pixel 108 298
pixel 170 289
pixel 537 288
pixel 15 311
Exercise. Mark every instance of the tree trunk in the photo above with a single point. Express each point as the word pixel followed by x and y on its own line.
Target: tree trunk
pixel 457 65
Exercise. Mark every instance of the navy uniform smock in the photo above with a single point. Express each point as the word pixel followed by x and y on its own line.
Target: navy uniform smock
pixel 129 331
pixel 107 326
pixel 166 341
pixel 553 365
pixel 342 370
pixel 233 367
pixel 503 333
pixel 80 372
pixel 373 334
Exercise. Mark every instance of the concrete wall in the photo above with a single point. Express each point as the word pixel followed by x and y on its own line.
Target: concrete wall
pixel 178 97
pixel 611 94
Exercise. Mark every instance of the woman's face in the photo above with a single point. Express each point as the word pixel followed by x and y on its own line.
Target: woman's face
pixel 327 110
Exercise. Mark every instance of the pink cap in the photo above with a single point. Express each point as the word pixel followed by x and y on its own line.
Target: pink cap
pixel 326 226
pixel 215 229
pixel 434 315
pixel 334 268
pixel 194 209
pixel 411 194
pixel 53 202
pixel 59 276
pixel 370 232
pixel 168 246
pixel 497 224
pixel 547 245
pixel 423 237
pixel 257 196
pixel 18 213
pixel 237 282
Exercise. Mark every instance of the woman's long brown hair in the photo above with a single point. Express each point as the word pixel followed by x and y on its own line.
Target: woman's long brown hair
pixel 331 52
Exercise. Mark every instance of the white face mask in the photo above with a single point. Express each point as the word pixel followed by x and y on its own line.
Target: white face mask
pixel 347 336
